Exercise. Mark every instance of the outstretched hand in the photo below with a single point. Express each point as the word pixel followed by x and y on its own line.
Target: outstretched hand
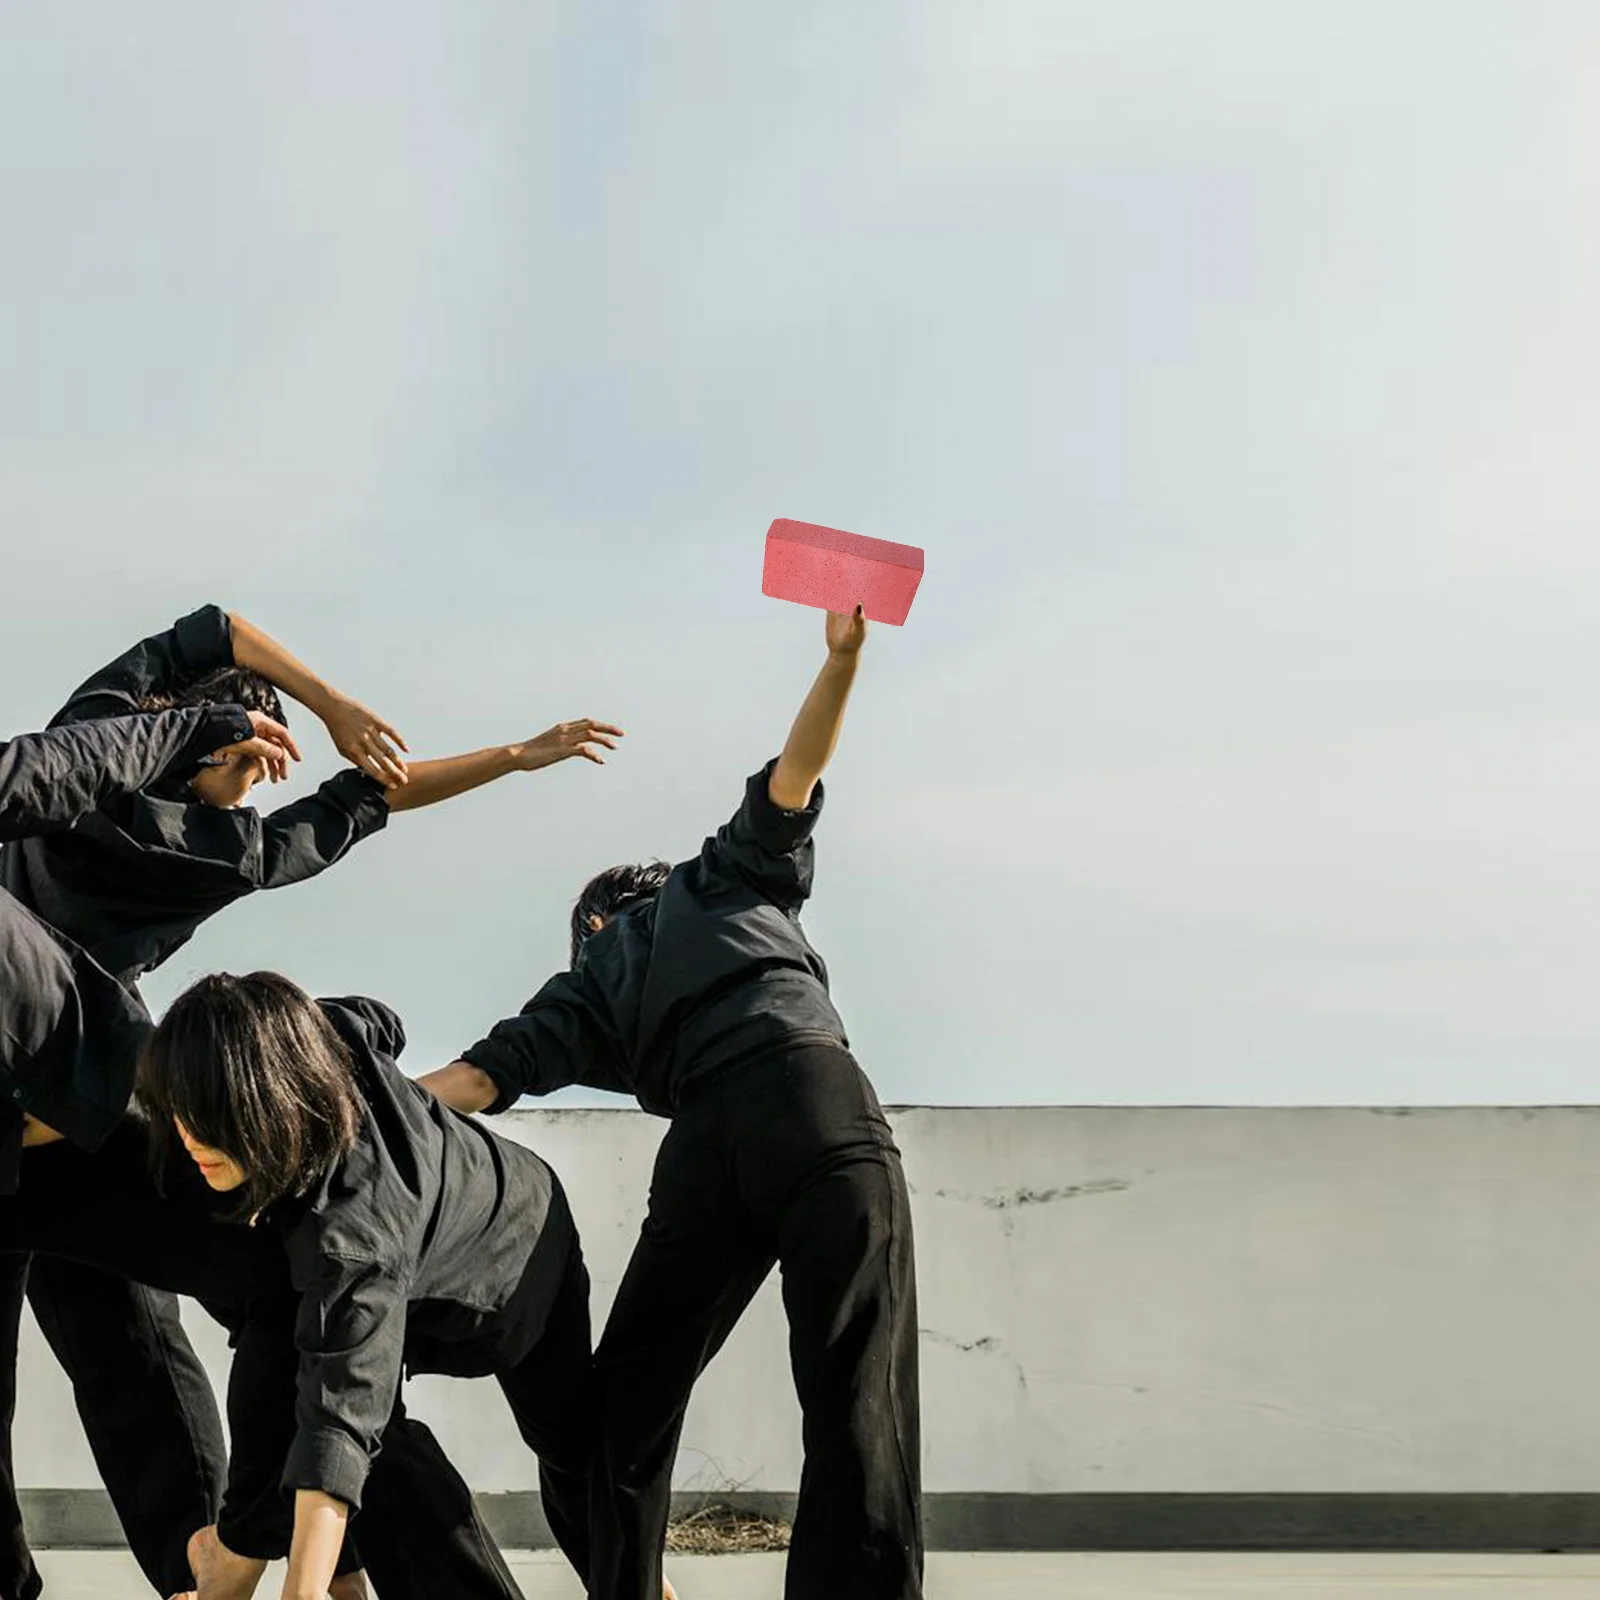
pixel 583 737
pixel 367 741
pixel 271 743
pixel 846 631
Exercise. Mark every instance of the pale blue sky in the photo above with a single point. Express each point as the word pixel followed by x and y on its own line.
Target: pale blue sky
pixel 1235 362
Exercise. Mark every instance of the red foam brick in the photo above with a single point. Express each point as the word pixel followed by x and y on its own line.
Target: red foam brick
pixel 838 571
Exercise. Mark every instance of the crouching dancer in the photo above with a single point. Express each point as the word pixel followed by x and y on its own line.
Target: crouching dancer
pixel 417 1241
pixel 694 988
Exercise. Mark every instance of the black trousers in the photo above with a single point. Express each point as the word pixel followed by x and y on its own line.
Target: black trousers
pixel 786 1160
pixel 145 1403
pixel 419 1531
pixel 421 1534
pixel 104 1213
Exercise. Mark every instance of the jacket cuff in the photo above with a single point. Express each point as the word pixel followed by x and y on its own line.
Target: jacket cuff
pixel 329 1460
pixel 775 828
pixel 218 727
pixel 205 640
pixel 485 1056
pixel 363 797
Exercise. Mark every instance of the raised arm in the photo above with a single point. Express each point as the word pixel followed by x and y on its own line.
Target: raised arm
pixel 361 737
pixel 433 781
pixel 816 729
pixel 164 663
pixel 51 780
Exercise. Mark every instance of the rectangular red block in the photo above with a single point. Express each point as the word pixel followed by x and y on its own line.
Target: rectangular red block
pixel 838 571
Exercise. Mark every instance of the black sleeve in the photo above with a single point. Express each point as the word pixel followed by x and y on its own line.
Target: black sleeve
pixel 306 837
pixel 366 1024
pixel 193 646
pixel 558 1038
pixel 350 1333
pixel 766 846
pixel 50 780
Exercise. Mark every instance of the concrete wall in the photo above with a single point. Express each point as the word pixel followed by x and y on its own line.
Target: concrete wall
pixel 1146 1300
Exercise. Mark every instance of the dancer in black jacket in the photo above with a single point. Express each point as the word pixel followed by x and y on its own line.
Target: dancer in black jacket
pixel 69 1032
pixel 418 1241
pixel 694 988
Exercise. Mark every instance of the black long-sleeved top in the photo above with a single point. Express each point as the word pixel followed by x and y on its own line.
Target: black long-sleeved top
pixel 712 971
pixel 135 878
pixel 425 1249
pixel 69 1032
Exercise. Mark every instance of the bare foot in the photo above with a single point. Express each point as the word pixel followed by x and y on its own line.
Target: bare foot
pixel 219 1573
pixel 667 1591
pixel 352 1586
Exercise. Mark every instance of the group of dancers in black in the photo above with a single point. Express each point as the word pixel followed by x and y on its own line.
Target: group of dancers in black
pixel 261 1152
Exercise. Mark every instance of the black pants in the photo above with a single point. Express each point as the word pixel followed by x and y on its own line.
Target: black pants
pixel 421 1534
pixel 103 1212
pixel 145 1403
pixel 788 1159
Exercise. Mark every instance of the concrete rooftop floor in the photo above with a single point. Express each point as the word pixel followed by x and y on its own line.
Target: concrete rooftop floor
pixel 75 1575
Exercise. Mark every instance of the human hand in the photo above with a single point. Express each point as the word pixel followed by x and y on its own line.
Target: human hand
pixel 366 740
pixel 846 632
pixel 272 744
pixel 582 737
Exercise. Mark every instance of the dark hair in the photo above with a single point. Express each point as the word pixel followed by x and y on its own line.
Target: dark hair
pixel 252 1067
pixel 226 686
pixel 609 892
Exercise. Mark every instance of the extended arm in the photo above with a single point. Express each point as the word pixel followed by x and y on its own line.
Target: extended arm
pixel 50 780
pixel 816 729
pixel 560 1037
pixel 461 1086
pixel 433 781
pixel 362 738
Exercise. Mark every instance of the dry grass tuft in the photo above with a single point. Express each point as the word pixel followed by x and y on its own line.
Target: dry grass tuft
pixel 722 1531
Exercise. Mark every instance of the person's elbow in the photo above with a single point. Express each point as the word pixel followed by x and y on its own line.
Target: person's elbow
pixel 462 1086
pixel 789 790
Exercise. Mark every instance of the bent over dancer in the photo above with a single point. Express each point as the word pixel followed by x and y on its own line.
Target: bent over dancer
pixel 694 988
pixel 70 1034
pixel 418 1241
pixel 130 884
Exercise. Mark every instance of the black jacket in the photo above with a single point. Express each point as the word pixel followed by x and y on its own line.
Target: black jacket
pixel 135 878
pixel 434 1246
pixel 711 972
pixel 69 1033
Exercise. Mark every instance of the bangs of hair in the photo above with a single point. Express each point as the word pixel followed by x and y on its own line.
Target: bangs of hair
pixel 613 890
pixel 251 1067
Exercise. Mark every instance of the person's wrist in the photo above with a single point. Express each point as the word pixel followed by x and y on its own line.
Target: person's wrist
pixel 322 702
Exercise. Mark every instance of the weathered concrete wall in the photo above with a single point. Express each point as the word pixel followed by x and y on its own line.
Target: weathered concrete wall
pixel 1155 1300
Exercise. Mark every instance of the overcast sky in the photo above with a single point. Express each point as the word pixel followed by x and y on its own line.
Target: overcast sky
pixel 1236 363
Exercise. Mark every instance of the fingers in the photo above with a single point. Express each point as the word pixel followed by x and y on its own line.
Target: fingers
pixel 266 728
pixel 268 752
pixel 390 734
pixel 376 755
pixel 384 763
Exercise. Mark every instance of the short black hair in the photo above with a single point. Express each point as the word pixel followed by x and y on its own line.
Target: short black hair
pixel 609 892
pixel 226 686
pixel 252 1067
